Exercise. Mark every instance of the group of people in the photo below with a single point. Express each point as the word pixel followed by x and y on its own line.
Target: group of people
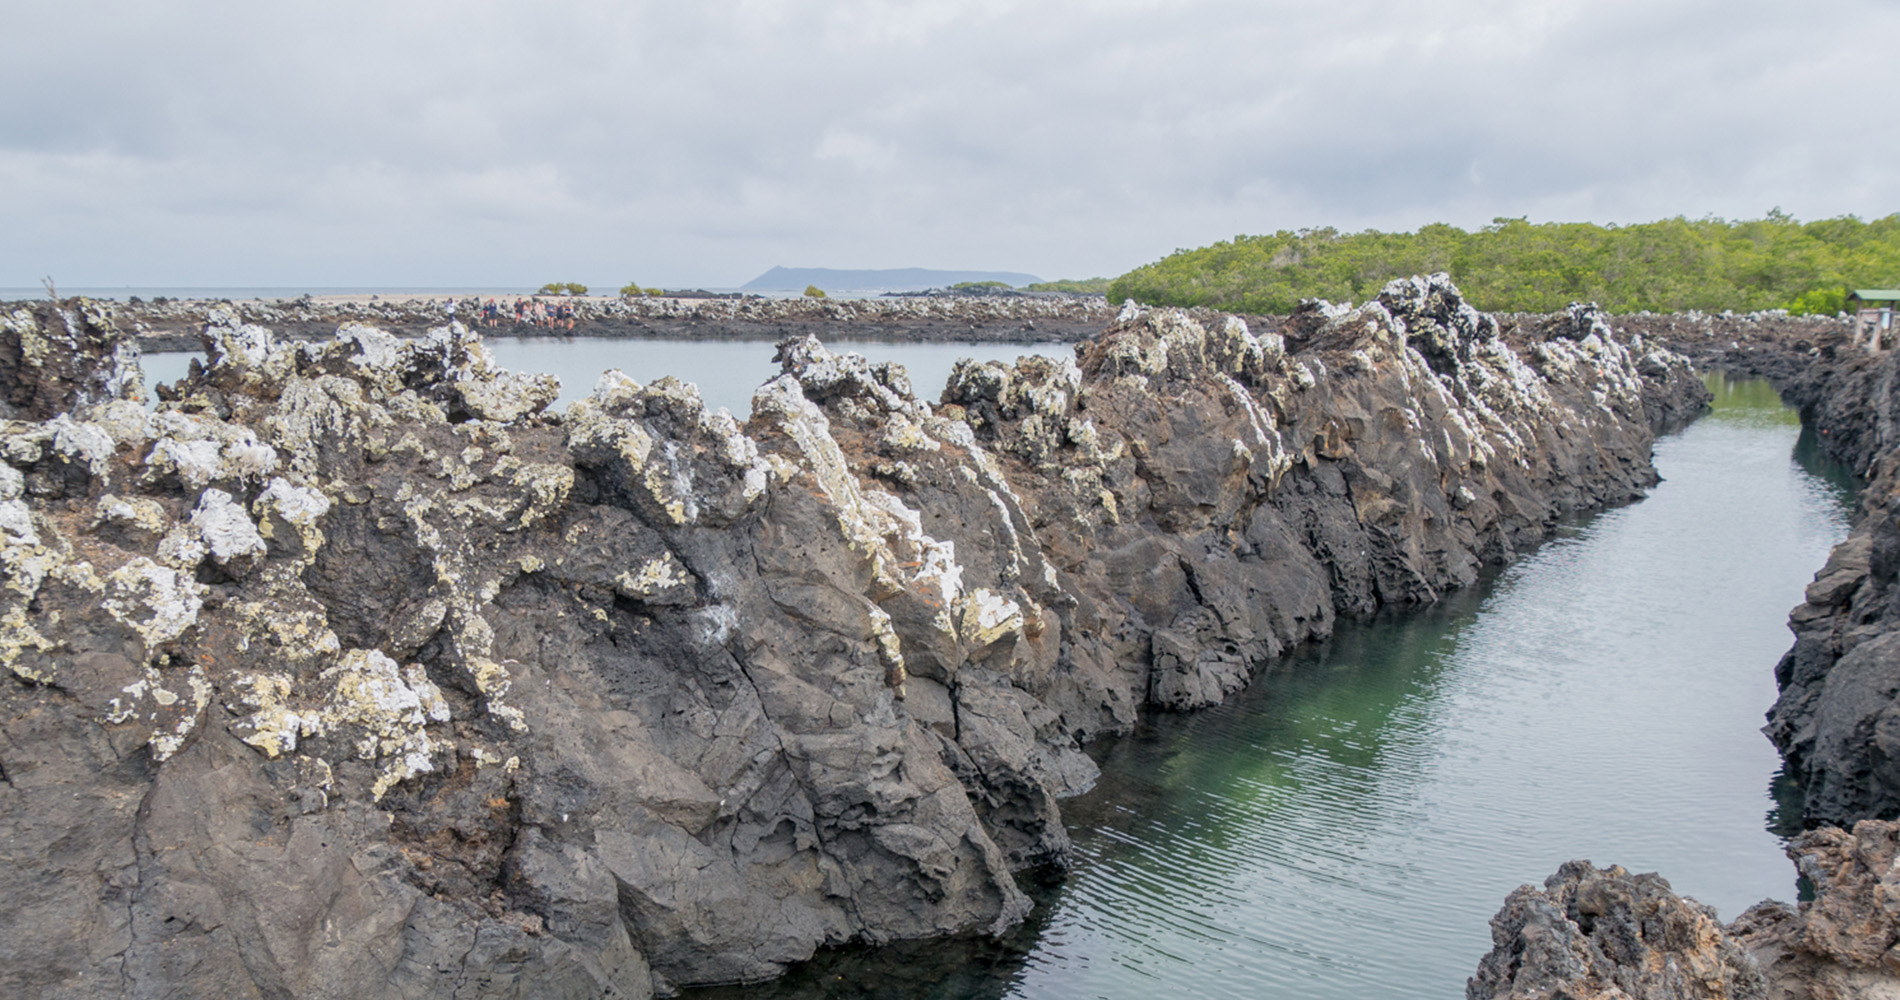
pixel 556 315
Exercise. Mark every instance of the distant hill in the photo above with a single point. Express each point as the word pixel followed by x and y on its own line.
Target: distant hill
pixel 895 279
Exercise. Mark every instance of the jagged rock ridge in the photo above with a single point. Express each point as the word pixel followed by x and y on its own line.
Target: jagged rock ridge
pixel 354 671
pixel 174 325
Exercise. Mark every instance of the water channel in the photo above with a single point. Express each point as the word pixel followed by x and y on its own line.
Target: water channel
pixel 1347 826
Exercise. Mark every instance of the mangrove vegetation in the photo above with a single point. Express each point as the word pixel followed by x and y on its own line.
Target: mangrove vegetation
pixel 1514 265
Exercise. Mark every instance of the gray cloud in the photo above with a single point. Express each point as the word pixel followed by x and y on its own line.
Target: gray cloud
pixel 477 142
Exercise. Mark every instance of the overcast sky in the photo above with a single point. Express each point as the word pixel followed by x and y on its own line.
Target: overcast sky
pixel 429 143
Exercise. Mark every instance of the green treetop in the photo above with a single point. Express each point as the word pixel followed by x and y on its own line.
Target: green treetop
pixel 1515 265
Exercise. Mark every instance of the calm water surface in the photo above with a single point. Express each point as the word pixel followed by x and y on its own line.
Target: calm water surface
pixel 1347 828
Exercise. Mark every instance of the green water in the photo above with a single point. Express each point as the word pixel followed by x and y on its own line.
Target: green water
pixel 1348 826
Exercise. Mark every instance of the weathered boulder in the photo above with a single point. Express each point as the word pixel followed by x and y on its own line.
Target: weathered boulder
pixel 1591 933
pixel 1842 942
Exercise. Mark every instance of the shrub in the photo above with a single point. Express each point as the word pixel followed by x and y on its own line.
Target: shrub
pixel 1819 301
pixel 562 288
pixel 1074 286
pixel 814 292
pixel 1514 265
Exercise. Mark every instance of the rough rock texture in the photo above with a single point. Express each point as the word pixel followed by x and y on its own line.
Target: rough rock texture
pixel 1592 933
pixel 1838 718
pixel 50 359
pixel 1835 721
pixel 353 671
pixel 1047 318
pixel 1843 942
pixel 1610 934
pixel 1771 345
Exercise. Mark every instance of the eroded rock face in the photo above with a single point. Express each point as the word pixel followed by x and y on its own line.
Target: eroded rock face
pixel 1593 933
pixel 1837 720
pixel 1834 722
pixel 352 671
pixel 1842 943
pixel 56 357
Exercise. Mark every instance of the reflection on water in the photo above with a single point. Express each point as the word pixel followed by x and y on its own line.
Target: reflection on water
pixel 1349 825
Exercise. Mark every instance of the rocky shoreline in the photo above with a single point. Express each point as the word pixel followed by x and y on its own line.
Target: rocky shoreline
pixel 1608 933
pixel 356 671
pixel 175 324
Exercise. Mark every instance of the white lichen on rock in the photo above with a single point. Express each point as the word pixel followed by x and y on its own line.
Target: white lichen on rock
pixel 288 516
pixel 157 602
pixel 383 712
pixel 664 580
pixel 228 533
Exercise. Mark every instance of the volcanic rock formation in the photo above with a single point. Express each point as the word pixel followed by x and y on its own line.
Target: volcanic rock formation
pixel 1592 933
pixel 1838 718
pixel 173 325
pixel 354 671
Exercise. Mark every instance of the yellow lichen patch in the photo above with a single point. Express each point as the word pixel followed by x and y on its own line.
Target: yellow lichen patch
pixel 272 725
pixel 460 476
pixel 17 635
pixel 493 680
pixel 654 578
pixel 165 742
pixel 386 712
pixel 77 575
pixel 546 488
pixel 902 434
pixel 26 567
pixel 482 510
pixel 182 549
pixel 671 498
pixel 288 516
pixel 296 634
pixel 135 513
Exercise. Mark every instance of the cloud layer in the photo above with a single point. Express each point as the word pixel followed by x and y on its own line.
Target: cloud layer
pixel 476 142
